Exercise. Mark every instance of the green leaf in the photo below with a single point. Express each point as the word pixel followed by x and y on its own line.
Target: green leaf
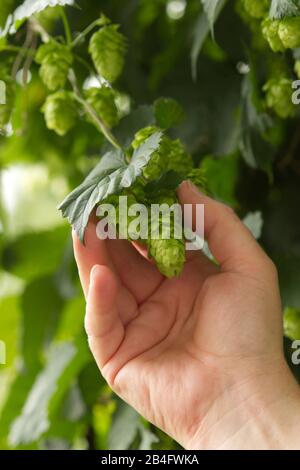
pixel 34 254
pixel 125 425
pixel 281 8
pixel 168 113
pixel 64 363
pixel 204 23
pixel 39 318
pixel 26 10
pixel 110 176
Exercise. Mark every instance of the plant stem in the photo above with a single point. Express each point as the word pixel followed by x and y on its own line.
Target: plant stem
pixel 86 31
pixel 66 26
pixel 92 113
pixel 10 48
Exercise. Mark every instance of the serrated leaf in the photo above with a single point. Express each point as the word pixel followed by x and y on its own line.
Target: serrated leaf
pixel 64 363
pixel 110 176
pixel 281 8
pixel 26 10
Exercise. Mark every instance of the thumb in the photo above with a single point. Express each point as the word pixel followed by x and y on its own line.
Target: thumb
pixel 229 240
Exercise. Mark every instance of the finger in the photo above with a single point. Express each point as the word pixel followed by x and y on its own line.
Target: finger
pixel 103 324
pixel 87 255
pixel 139 275
pixel 230 241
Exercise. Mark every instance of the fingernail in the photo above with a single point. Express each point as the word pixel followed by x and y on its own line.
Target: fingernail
pixel 191 187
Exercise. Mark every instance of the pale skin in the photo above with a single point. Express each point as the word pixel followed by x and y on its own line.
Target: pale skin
pixel 199 356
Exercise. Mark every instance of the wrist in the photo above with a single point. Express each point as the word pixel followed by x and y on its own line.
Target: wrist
pixel 262 412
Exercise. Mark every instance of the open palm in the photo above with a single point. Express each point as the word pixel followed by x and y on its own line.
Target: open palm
pixel 178 350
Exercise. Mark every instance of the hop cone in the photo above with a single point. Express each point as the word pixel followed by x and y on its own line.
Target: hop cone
pixel 279 97
pixel 55 60
pixel 256 8
pixel 197 177
pixel 60 112
pixel 107 48
pixel 291 322
pixel 103 101
pixel 270 30
pixel 171 155
pixel 289 32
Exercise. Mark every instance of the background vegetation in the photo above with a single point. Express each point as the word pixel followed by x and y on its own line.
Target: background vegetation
pixel 51 393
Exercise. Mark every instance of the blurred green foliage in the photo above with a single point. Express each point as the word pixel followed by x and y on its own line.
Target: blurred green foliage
pixel 51 393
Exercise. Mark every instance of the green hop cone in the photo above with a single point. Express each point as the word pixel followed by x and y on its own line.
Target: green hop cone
pixel 168 253
pixel 171 155
pixel 291 323
pixel 270 30
pixel 256 8
pixel 60 110
pixel 289 32
pixel 197 177
pixel 103 101
pixel 169 256
pixel 107 48
pixel 6 109
pixel 55 60
pixel 279 97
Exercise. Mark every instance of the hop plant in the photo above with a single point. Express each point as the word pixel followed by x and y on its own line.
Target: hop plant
pixel 60 112
pixel 168 253
pixel 279 97
pixel 103 101
pixel 197 177
pixel 270 30
pixel 256 8
pixel 55 60
pixel 289 32
pixel 291 323
pixel 107 48
pixel 171 155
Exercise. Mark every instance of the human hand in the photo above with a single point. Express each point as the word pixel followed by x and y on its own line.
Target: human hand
pixel 200 356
